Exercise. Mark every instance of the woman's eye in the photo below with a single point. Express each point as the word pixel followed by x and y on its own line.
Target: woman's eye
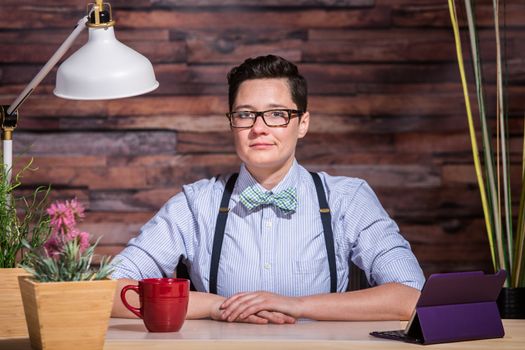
pixel 278 114
pixel 244 115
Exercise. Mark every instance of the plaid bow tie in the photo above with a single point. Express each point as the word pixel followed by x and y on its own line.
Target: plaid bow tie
pixel 252 197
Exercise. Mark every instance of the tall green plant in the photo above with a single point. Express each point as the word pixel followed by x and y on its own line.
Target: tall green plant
pixel 506 242
pixel 22 218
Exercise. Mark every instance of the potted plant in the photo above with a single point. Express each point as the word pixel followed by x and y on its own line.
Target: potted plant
pixel 67 303
pixel 506 233
pixel 22 218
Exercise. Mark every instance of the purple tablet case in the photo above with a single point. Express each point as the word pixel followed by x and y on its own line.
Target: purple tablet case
pixel 454 307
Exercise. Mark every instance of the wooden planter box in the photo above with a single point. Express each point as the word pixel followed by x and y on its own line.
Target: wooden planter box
pixel 12 319
pixel 67 315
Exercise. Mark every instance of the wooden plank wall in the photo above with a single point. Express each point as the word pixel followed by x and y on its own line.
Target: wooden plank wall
pixel 385 100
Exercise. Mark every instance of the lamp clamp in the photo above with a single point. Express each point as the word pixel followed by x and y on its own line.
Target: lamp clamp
pixel 99 15
pixel 9 122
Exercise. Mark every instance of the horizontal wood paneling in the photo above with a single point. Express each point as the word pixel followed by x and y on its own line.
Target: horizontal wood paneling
pixel 207 3
pixel 385 101
pixel 268 3
pixel 47 17
pixel 435 13
pixel 97 143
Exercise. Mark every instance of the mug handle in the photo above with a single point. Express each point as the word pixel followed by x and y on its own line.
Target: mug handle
pixel 133 309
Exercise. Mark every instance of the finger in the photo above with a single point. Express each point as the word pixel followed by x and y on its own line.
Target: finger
pixel 234 310
pixel 254 319
pixel 287 318
pixel 249 307
pixel 235 298
pixel 276 317
pixel 271 317
pixel 233 303
pixel 252 308
pixel 250 319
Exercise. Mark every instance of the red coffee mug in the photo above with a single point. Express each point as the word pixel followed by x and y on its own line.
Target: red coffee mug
pixel 163 302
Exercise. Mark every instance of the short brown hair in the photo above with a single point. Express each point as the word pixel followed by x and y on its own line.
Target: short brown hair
pixel 264 67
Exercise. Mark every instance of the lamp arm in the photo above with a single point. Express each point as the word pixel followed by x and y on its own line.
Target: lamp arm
pixel 81 25
pixel 9 117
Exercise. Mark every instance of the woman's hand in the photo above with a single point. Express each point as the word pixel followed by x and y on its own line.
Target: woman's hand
pixel 272 307
pixel 262 317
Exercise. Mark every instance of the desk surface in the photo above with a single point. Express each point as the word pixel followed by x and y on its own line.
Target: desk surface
pixel 206 334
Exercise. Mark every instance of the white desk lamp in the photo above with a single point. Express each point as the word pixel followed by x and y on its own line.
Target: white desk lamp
pixel 102 69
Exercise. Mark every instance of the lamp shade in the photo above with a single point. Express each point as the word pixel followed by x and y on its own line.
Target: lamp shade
pixel 104 68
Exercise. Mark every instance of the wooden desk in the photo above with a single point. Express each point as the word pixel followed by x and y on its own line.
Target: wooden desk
pixel 204 334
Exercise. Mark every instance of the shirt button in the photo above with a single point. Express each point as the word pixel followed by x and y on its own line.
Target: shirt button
pixel 267 266
pixel 268 224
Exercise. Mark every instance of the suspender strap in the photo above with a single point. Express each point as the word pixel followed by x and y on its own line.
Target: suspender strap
pixel 326 219
pixel 219 232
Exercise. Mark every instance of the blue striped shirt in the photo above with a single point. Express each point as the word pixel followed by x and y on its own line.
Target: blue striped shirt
pixel 267 248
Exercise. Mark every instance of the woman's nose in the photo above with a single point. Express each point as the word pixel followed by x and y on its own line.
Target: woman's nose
pixel 259 125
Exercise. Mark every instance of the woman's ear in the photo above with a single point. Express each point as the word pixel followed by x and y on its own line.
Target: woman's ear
pixel 304 123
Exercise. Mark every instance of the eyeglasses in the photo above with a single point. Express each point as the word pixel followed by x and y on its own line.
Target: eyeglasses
pixel 272 118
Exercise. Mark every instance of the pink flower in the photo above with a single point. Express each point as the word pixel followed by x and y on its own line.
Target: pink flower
pixel 63 221
pixel 64 215
pixel 53 245
pixel 62 218
pixel 76 207
pixel 82 237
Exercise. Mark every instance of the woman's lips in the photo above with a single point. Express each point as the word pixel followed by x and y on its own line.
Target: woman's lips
pixel 261 145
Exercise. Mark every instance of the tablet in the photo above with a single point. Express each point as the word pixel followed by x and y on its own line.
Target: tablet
pixel 452 307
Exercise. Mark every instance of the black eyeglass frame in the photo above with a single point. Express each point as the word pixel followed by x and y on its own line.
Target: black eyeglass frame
pixel 292 113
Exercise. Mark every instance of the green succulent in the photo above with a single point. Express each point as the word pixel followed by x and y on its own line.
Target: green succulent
pixel 71 264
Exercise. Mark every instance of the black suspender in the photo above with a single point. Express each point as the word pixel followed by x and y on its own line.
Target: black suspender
pixel 326 219
pixel 219 232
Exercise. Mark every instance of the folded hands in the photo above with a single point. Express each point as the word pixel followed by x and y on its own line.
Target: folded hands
pixel 258 307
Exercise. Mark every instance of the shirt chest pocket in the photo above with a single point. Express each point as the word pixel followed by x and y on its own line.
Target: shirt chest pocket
pixel 310 266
